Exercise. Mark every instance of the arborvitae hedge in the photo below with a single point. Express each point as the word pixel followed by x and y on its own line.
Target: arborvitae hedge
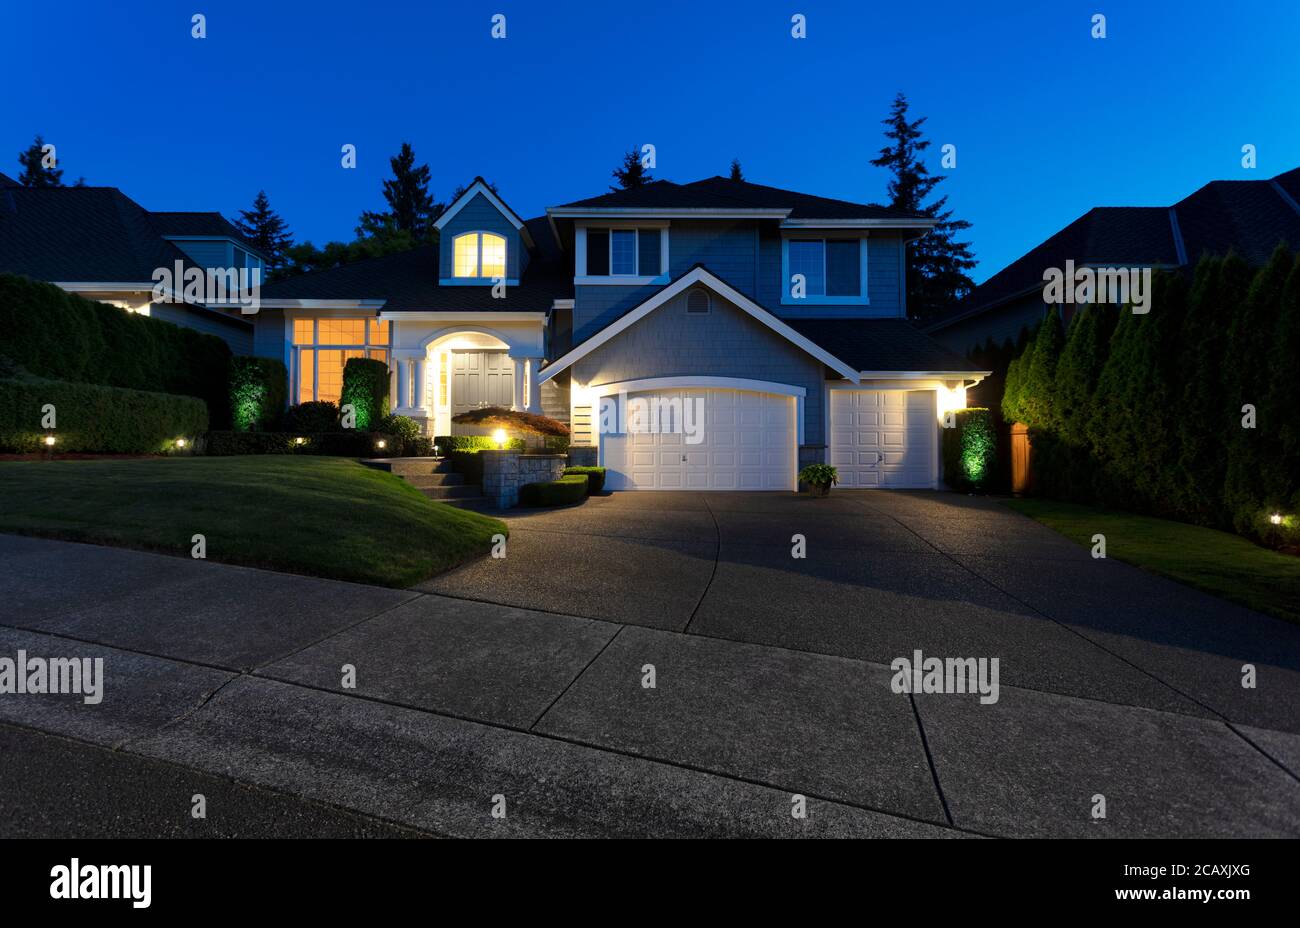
pixel 365 386
pixel 258 390
pixel 55 334
pixel 970 450
pixel 1150 417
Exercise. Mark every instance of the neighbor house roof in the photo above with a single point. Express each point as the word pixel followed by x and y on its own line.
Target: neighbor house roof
pixel 1249 217
pixel 7 181
pixel 408 281
pixel 182 225
pixel 721 193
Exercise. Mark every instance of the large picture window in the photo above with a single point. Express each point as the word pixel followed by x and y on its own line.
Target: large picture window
pixel 479 254
pixel 832 269
pixel 322 346
pixel 624 252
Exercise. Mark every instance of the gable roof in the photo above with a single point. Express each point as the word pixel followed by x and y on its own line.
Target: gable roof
pixel 7 181
pixel 1247 216
pixel 183 224
pixel 698 274
pixel 408 281
pixel 721 193
pixel 480 186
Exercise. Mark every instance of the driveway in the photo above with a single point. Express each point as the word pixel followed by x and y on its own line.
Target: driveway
pixel 362 710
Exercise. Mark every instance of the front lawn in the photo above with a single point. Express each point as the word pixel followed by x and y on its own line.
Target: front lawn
pixel 1216 562
pixel 330 517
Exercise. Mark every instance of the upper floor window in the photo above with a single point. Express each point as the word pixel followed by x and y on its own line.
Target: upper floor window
pixel 624 252
pixel 479 254
pixel 831 269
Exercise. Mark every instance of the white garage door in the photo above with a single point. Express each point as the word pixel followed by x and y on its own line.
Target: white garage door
pixel 739 441
pixel 884 438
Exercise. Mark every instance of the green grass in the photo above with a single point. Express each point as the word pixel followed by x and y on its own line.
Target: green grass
pixel 1216 562
pixel 330 517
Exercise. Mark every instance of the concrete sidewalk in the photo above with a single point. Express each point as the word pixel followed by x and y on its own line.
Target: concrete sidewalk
pixel 220 673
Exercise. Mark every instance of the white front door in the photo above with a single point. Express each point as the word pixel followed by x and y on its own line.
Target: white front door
pixel 481 378
pixel 701 439
pixel 884 438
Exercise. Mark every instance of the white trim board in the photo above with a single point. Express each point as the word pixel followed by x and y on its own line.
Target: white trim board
pixel 724 290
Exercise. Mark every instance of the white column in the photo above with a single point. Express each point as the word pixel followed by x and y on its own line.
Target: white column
pixel 403 381
pixel 518 384
pixel 418 400
pixel 534 389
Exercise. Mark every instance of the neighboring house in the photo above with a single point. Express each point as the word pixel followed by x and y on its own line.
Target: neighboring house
pixel 678 294
pixel 1248 216
pixel 101 244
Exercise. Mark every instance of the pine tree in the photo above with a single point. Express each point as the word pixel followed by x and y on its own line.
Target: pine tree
pixel 1038 388
pixel 34 172
pixel 1079 368
pixel 265 230
pixel 735 170
pixel 936 263
pixel 1150 404
pixel 411 208
pixel 631 173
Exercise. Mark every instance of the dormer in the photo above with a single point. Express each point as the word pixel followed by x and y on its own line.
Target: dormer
pixel 481 240
pixel 210 241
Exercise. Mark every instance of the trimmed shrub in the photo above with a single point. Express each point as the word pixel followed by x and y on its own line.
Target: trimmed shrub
pixel 450 443
pixel 404 426
pixel 224 443
pixel 595 477
pixel 94 418
pixel 258 390
pixel 62 336
pixel 365 387
pixel 568 489
pixel 468 463
pixel 970 450
pixel 311 418
pixel 347 444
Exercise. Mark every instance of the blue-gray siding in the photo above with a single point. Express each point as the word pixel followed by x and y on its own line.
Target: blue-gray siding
pixel 479 215
pixel 236 333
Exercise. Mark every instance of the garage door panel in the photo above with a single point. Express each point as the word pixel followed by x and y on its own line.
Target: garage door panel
pixel 884 438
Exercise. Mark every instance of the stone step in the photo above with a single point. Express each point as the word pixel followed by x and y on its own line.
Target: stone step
pixel 462 491
pixel 438 479
pixel 405 466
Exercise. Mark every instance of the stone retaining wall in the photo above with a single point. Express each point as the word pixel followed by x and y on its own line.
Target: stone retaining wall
pixel 504 472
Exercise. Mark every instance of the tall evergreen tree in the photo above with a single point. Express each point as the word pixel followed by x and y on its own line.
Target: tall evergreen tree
pixel 937 263
pixel 736 173
pixel 1038 405
pixel 34 172
pixel 1281 412
pixel 631 173
pixel 411 208
pixel 1150 406
pixel 1080 366
pixel 266 230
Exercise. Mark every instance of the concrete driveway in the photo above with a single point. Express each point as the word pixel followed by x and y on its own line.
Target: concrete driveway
pixel 527 678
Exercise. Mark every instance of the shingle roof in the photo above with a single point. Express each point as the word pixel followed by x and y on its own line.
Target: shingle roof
pixel 724 193
pixel 80 234
pixel 7 181
pixel 183 224
pixel 1250 217
pixel 881 345
pixel 408 280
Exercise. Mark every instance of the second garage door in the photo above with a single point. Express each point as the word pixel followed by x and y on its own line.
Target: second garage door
pixel 746 441
pixel 884 438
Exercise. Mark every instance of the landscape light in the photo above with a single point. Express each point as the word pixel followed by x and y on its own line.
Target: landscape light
pixel 49 440
pixel 300 440
pixel 381 444
pixel 499 436
pixel 180 443
pixel 1276 518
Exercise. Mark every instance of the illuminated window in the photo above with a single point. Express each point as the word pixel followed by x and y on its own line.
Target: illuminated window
pixel 479 254
pixel 303 332
pixel 322 348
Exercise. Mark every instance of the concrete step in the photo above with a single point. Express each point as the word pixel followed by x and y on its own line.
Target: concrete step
pixel 472 502
pixel 439 479
pixel 462 491
pixel 404 466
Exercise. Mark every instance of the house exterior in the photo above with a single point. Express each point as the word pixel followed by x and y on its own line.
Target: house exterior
pixel 713 335
pixel 101 244
pixel 1249 217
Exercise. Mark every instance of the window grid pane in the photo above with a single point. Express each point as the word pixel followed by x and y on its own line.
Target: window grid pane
pixel 623 252
pixel 466 255
pixel 494 256
pixel 341 332
pixel 378 332
pixel 648 245
pixel 808 258
pixel 598 252
pixel 306 373
pixel 843 268
pixel 302 332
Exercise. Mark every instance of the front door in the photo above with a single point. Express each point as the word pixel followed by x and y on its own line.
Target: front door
pixel 480 378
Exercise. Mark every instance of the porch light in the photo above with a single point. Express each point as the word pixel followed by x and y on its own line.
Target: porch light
pixel 49 441
pixel 499 436
pixel 1276 518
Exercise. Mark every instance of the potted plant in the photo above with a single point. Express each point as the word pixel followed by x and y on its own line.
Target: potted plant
pixel 820 478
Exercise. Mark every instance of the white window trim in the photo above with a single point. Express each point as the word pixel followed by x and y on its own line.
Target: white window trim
pixel 812 299
pixel 296 352
pixel 619 280
pixel 478 278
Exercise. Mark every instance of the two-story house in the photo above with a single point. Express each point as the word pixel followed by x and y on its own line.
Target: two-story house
pixel 711 335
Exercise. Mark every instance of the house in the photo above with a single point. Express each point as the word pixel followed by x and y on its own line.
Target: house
pixel 1248 216
pixel 101 244
pixel 709 335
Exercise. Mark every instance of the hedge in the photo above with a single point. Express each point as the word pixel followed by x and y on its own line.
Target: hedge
pixel 313 417
pixel 365 387
pixel 568 489
pixel 595 476
pixel 347 444
pixel 258 390
pixel 970 450
pixel 449 443
pixel 62 336
pixel 1153 412
pixel 96 419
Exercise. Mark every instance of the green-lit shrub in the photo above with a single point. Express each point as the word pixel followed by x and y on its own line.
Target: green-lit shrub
pixel 450 443
pixel 819 475
pixel 404 426
pixel 258 388
pixel 365 387
pixel 595 477
pixel 311 417
pixel 566 490
pixel 970 450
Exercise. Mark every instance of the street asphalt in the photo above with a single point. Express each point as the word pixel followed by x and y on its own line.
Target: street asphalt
pixel 655 664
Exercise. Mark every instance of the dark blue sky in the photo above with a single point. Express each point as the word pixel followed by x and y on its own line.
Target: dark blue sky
pixel 1047 121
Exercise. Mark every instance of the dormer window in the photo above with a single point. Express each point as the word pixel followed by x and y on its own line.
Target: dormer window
pixel 479 254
